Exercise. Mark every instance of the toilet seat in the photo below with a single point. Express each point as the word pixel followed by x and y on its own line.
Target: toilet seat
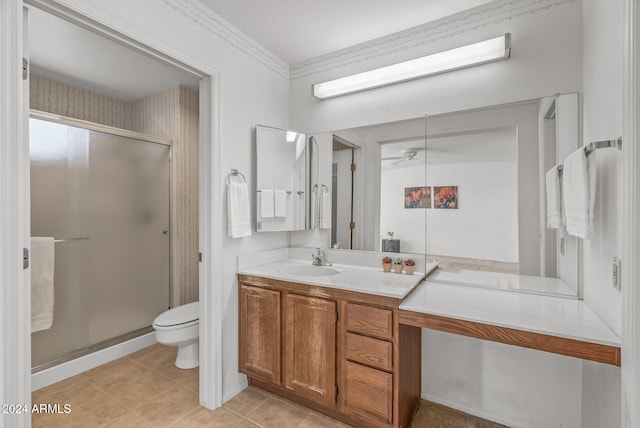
pixel 179 317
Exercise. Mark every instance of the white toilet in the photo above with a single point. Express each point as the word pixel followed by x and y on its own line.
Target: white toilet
pixel 180 327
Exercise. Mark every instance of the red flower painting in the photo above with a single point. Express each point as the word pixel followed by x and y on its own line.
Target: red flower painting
pixel 445 197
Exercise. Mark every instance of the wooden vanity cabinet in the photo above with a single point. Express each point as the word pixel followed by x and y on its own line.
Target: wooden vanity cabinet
pixel 338 352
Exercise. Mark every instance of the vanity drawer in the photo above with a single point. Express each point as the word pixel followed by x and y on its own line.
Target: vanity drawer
pixel 369 321
pixel 372 352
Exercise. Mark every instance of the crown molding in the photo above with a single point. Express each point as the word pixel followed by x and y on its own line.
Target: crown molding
pixel 426 34
pixel 209 21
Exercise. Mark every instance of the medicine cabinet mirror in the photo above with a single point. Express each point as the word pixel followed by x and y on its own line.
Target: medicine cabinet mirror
pixel 282 171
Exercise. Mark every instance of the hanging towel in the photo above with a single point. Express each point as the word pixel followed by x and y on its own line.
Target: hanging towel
pixel 267 204
pixel 238 215
pixel 325 210
pixel 578 193
pixel 42 292
pixel 280 203
pixel 555 214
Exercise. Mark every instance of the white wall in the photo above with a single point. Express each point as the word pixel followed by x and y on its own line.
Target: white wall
pixel 546 59
pixel 603 111
pixel 408 225
pixel 485 224
pixel 507 384
pixel 254 89
pixel 603 40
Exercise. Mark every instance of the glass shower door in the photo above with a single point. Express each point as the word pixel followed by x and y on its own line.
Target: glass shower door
pixel 105 198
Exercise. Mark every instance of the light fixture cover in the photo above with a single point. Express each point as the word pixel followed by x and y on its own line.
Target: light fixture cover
pixel 478 53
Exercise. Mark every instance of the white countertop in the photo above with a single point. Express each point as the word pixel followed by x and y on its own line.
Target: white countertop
pixel 561 317
pixel 352 278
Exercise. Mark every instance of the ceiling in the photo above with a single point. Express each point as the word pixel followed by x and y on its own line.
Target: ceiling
pixel 69 54
pixel 469 147
pixel 296 30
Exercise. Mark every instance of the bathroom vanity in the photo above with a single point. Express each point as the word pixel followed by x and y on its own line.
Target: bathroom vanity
pixel 337 348
pixel 346 340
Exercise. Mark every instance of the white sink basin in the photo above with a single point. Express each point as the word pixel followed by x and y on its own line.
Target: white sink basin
pixel 309 270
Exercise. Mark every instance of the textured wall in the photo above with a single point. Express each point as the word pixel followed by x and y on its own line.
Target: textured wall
pixel 171 114
pixel 58 98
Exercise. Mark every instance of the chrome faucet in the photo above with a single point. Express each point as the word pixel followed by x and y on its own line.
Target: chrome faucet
pixel 320 258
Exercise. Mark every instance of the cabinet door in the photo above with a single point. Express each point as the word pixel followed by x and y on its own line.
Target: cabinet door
pixel 368 394
pixel 310 348
pixel 260 333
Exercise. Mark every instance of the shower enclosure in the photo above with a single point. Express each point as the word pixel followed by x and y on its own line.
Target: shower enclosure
pixel 105 198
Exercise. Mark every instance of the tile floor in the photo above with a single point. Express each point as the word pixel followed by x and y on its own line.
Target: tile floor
pixel 145 389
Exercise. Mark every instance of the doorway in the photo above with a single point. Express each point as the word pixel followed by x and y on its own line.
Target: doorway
pixel 19 384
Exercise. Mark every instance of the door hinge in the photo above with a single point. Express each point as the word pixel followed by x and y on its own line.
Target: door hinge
pixel 353 167
pixel 200 257
pixel 25 258
pixel 337 317
pixel 352 225
pixel 25 69
pixel 336 389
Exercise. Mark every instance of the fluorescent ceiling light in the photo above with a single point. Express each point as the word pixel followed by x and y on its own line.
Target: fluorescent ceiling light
pixel 454 59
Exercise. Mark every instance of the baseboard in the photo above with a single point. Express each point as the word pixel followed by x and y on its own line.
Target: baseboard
pixel 87 362
pixel 237 389
pixel 474 412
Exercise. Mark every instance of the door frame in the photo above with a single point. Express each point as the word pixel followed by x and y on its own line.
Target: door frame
pixel 15 351
pixel 15 297
pixel 630 376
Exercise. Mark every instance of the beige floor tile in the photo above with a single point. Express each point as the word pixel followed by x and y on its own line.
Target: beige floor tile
pixel 95 414
pixel 320 421
pixel 192 383
pixel 165 409
pixel 170 371
pixel 128 420
pixel 76 395
pixel 275 413
pixel 246 424
pixel 142 388
pixel 155 356
pixel 246 401
pixel 115 372
pixel 201 417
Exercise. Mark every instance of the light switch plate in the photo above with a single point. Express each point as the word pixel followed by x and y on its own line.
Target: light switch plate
pixel 615 273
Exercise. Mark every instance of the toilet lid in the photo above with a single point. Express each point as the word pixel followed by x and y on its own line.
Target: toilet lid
pixel 178 315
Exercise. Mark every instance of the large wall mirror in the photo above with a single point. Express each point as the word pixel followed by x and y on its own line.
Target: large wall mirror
pixel 486 175
pixel 464 188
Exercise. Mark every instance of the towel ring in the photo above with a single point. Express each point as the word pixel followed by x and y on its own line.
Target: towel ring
pixel 235 173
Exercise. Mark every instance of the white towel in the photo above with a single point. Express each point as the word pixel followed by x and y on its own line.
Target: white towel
pixel 578 193
pixel 325 210
pixel 555 214
pixel 280 203
pixel 267 209
pixel 238 215
pixel 42 291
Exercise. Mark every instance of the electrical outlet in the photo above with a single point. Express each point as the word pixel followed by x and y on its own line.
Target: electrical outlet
pixel 615 278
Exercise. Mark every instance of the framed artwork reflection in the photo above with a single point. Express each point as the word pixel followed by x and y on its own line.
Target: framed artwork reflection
pixel 417 197
pixel 445 197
